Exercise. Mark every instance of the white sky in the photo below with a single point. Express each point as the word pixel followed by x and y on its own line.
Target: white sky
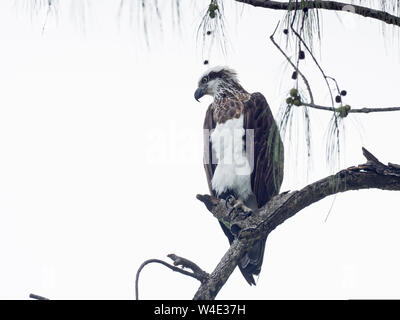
pixel 100 157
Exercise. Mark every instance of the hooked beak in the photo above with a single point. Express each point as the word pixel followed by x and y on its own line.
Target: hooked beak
pixel 199 93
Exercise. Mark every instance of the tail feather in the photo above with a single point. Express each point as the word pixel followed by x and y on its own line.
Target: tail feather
pixel 250 264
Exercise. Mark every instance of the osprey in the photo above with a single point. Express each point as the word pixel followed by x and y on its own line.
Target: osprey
pixel 243 152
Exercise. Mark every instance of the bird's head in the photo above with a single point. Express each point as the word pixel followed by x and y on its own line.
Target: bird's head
pixel 216 81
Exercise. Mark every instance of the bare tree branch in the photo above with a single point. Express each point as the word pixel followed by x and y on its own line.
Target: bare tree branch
pixel 327 5
pixel 372 174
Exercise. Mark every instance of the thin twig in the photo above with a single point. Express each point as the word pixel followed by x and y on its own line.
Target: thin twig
pixel 292 64
pixel 368 110
pixel 360 110
pixel 312 55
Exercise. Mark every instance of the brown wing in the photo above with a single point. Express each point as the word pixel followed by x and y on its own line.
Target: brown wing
pixel 209 125
pixel 267 174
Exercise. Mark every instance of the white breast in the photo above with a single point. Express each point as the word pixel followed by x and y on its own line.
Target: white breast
pixel 233 170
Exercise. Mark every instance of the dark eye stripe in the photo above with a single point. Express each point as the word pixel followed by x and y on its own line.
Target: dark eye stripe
pixel 214 75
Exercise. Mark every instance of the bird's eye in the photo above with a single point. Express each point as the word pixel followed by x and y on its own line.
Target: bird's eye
pixel 204 80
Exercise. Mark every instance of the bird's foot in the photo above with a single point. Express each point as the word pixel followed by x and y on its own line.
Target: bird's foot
pixel 230 201
pixel 237 209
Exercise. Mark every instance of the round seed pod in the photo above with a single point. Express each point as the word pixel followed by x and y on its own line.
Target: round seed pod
pixel 344 111
pixel 213 6
pixel 293 92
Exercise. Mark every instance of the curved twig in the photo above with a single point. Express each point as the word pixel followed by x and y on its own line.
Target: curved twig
pixel 197 273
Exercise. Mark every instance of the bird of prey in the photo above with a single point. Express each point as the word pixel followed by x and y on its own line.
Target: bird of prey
pixel 243 152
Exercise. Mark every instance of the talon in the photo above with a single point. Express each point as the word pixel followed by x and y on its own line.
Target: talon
pixel 228 201
pixel 230 213
pixel 246 214
pixel 241 209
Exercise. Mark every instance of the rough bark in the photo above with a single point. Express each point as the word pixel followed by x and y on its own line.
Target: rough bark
pixel 373 174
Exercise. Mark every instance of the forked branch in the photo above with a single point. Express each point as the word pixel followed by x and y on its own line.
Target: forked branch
pixel 372 174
